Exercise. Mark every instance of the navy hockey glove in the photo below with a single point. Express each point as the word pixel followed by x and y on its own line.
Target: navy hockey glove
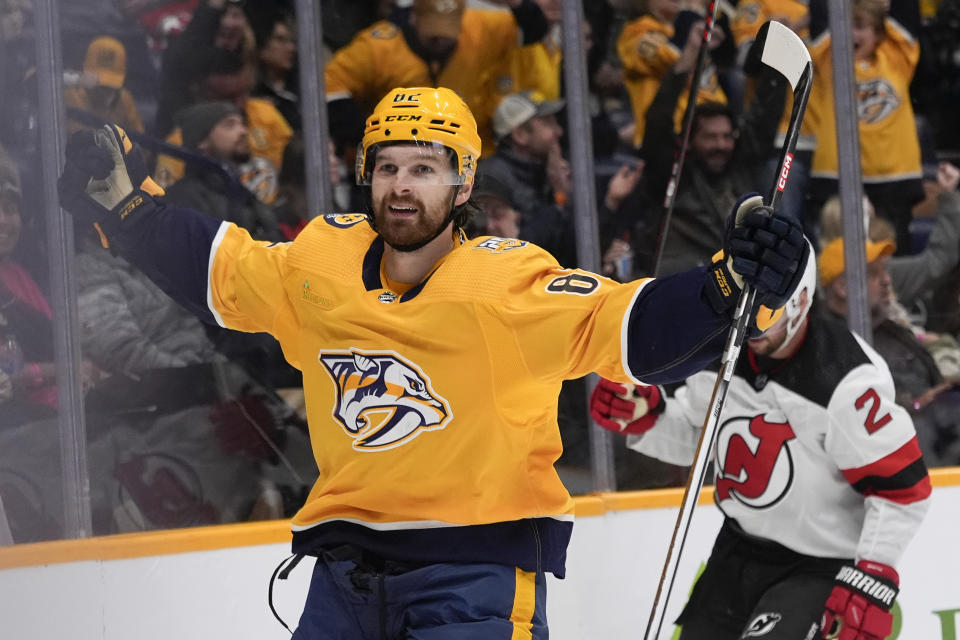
pixel 105 180
pixel 859 605
pixel 762 248
pixel 625 408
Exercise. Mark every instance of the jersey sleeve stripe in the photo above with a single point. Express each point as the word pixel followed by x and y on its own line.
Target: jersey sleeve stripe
pixel 214 246
pixel 901 476
pixel 917 493
pixel 888 465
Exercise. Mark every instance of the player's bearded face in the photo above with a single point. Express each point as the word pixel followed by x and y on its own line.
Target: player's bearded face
pixel 412 194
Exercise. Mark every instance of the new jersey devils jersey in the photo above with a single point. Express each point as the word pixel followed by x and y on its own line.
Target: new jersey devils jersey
pixel 432 407
pixel 813 454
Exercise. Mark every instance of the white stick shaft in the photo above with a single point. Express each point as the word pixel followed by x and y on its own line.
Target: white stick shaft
pixel 698 472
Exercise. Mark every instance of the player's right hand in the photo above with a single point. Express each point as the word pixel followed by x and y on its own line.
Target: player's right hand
pixel 105 179
pixel 625 408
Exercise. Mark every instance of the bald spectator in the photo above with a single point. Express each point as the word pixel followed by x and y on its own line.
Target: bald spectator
pixel 440 43
pixel 99 91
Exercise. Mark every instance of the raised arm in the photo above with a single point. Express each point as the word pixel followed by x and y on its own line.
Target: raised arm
pixel 209 267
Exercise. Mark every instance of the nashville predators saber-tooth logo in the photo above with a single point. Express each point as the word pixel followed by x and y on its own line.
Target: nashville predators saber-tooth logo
pixel 383 400
pixel 876 99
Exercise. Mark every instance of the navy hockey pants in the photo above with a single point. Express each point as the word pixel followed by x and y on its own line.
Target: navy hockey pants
pixel 358 598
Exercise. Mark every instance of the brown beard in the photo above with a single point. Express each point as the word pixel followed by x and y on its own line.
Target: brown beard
pixel 406 234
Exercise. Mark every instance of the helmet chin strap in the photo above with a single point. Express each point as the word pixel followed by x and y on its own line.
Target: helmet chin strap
pixel 413 246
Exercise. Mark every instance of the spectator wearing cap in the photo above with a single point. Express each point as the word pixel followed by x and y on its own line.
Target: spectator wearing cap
pixel 228 78
pixel 438 43
pixel 916 276
pixel 218 131
pixel 920 385
pixel 500 217
pixel 99 91
pixel 528 160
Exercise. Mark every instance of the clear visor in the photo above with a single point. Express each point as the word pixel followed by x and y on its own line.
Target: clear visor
pixel 413 163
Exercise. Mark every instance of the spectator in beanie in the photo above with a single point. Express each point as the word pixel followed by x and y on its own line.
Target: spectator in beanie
pixel 218 131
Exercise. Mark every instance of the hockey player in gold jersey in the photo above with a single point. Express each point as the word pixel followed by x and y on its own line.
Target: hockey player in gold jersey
pixel 431 364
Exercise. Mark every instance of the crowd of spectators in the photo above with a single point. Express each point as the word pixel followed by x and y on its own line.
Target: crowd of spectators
pixel 209 88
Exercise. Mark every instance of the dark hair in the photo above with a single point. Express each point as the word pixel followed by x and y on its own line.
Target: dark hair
pixel 294 169
pixel 264 26
pixel 711 109
pixel 464 213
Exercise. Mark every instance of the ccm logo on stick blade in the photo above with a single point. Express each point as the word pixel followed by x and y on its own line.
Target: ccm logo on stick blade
pixel 784 172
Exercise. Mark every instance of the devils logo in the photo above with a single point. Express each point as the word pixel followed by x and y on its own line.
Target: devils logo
pixel 753 461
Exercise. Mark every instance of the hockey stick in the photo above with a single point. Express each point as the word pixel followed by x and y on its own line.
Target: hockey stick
pixel 680 153
pixel 779 48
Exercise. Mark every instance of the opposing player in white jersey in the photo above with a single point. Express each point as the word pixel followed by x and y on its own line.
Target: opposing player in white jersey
pixel 819 475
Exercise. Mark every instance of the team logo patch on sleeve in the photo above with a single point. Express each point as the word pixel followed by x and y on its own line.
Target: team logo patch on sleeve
pixel 383 400
pixel 501 245
pixel 344 220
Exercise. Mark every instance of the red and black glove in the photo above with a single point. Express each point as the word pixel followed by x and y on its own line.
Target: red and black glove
pixel 625 408
pixel 859 605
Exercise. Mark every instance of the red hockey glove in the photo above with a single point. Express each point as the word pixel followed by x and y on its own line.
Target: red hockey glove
pixel 859 605
pixel 625 408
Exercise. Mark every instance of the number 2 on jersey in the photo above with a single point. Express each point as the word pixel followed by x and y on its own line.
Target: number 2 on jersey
pixel 871 423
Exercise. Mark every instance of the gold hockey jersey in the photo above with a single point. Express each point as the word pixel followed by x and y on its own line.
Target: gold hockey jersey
pixel 889 148
pixel 458 376
pixel 646 54
pixel 379 59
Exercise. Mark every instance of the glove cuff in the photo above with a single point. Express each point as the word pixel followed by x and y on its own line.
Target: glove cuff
pixel 877 583
pixel 720 287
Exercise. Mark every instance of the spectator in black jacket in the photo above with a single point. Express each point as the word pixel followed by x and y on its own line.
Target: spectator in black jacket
pixel 724 160
pixel 530 163
pixel 216 24
pixel 218 131
pixel 920 386
pixel 276 66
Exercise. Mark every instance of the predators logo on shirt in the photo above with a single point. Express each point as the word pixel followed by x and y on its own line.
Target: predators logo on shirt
pixel 383 401
pixel 876 99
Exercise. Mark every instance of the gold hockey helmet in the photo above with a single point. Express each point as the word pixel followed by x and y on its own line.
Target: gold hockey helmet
pixel 429 116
